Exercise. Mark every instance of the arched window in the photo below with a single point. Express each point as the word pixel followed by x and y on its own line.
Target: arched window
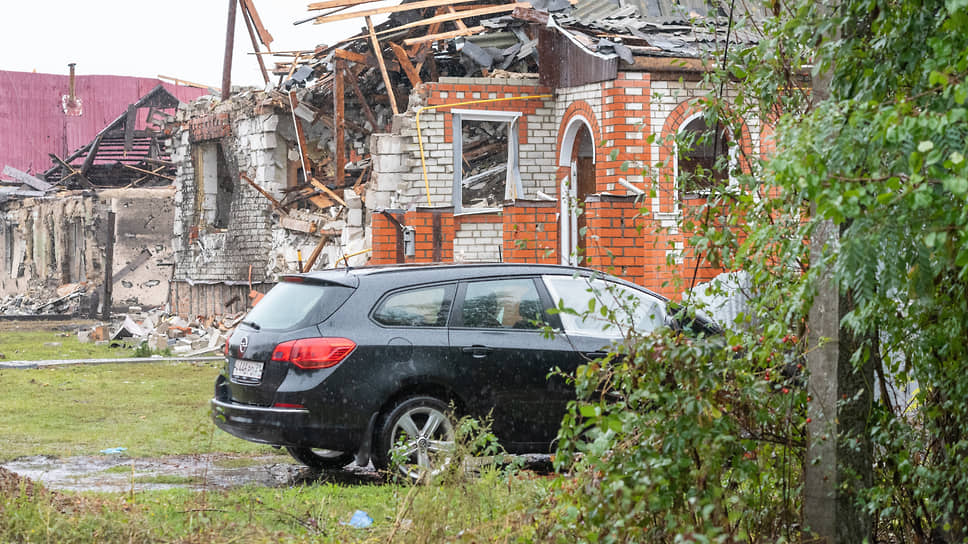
pixel 703 158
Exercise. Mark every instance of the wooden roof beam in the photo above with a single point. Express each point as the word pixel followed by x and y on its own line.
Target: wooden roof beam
pixel 387 9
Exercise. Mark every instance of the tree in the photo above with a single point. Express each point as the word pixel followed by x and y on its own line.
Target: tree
pixel 692 433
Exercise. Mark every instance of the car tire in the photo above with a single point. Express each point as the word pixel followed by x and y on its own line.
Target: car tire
pixel 416 439
pixel 321 459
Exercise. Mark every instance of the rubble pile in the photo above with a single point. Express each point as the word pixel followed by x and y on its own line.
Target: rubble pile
pixel 160 332
pixel 70 299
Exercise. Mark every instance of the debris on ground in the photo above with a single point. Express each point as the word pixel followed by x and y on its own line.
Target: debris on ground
pixel 158 331
pixel 70 299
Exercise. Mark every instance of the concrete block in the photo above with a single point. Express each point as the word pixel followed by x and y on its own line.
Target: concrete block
pixel 383 163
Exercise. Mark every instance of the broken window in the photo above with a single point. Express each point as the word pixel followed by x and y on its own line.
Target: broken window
pixel 702 155
pixel 215 185
pixel 486 168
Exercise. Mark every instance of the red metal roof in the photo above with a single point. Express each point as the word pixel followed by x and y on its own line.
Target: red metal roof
pixel 33 122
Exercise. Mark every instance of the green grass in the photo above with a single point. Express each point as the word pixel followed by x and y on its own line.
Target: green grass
pixel 35 341
pixel 493 508
pixel 151 409
pixel 161 408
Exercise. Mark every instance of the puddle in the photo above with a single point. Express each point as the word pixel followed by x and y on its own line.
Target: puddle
pixel 119 473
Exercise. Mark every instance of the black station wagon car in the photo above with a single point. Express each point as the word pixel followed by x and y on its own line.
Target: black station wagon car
pixel 365 363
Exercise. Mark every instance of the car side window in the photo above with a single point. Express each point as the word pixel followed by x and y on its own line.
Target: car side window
pixel 423 307
pixel 603 307
pixel 497 304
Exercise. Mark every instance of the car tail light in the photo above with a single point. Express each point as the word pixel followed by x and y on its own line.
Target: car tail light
pixel 314 352
pixel 226 349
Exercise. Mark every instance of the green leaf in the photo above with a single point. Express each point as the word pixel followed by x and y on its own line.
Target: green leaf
pixel 957 185
pixel 925 146
pixel 956 158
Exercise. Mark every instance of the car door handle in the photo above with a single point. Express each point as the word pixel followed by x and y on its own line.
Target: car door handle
pixel 478 352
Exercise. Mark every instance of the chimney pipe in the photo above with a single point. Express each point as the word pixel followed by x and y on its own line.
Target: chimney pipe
pixel 71 95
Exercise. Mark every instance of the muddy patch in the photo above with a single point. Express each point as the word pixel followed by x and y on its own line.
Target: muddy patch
pixel 119 473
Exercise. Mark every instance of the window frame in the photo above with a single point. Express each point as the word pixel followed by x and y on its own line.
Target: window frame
pixel 512 181
pixel 731 151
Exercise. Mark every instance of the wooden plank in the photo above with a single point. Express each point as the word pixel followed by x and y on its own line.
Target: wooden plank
pixel 300 137
pixel 249 7
pixel 460 23
pixel 142 178
pixel 445 35
pixel 149 172
pixel 383 68
pixel 351 56
pixel 27 179
pixel 318 6
pixel 89 160
pixel 315 254
pixel 255 44
pixel 319 185
pixel 86 182
pixel 455 15
pixel 339 115
pixel 387 9
pixel 262 191
pixel 359 180
pixel 363 104
pixel 405 63
pixel 321 201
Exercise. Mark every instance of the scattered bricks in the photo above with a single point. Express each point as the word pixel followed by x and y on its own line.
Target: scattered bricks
pixel 99 333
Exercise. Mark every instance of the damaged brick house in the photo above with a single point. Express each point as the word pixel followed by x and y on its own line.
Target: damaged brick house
pixel 512 119
pixel 74 151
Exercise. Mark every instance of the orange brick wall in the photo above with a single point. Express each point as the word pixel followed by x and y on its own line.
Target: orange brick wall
pixel 624 129
pixel 613 240
pixel 531 232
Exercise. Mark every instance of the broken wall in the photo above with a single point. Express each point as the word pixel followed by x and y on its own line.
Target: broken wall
pixel 53 241
pixel 228 234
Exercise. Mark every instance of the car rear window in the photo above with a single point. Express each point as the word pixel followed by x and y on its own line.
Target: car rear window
pixel 424 307
pixel 291 305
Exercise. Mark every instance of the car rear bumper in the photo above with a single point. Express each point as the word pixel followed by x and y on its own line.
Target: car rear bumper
pixel 282 427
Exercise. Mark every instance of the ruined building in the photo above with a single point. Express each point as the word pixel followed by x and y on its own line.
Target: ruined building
pixel 76 153
pixel 460 132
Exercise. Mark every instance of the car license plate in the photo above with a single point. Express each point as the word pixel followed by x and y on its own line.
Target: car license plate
pixel 251 370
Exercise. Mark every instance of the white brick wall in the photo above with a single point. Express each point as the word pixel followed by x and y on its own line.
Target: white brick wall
pixel 479 242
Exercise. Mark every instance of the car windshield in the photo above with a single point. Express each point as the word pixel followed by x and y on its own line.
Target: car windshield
pixel 604 308
pixel 292 304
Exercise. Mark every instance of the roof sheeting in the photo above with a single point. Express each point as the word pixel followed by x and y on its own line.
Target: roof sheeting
pixel 33 122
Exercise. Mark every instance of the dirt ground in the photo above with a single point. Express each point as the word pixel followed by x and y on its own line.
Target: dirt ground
pixel 119 473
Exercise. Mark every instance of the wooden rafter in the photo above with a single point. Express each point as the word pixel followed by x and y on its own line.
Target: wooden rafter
pixel 387 9
pixel 405 63
pixel 249 7
pixel 363 104
pixel 383 67
pixel 255 44
pixel 339 113
pixel 454 15
pixel 444 35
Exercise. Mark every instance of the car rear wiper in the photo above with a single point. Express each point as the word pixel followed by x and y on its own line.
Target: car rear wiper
pixel 252 324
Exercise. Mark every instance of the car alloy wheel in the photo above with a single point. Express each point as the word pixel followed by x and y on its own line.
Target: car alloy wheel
pixel 418 437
